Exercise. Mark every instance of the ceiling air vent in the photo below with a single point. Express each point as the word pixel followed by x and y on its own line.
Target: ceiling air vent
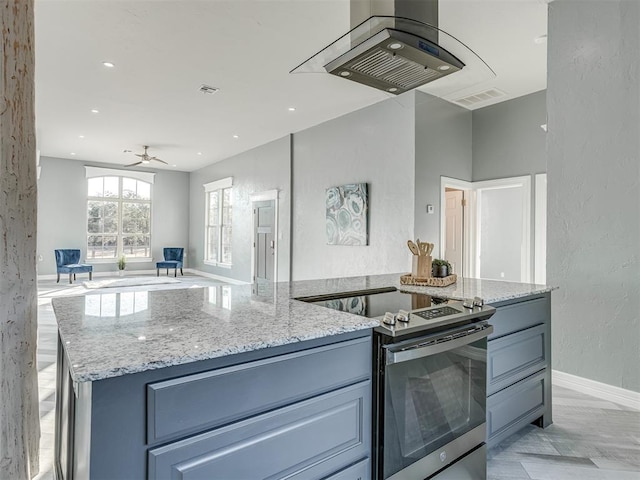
pixel 208 90
pixel 480 97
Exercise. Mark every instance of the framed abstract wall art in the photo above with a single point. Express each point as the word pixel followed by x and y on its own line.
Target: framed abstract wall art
pixel 347 215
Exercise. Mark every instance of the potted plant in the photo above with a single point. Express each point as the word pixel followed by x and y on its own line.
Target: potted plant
pixel 440 268
pixel 122 262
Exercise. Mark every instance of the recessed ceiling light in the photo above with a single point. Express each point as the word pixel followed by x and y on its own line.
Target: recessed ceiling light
pixel 94 110
pixel 393 89
pixel 80 136
pixel 395 46
pixel 199 153
pixel 235 136
pixel 345 74
pixel 109 64
pixel 539 40
pixel 292 109
pixel 172 166
pixel 444 68
pixel 73 153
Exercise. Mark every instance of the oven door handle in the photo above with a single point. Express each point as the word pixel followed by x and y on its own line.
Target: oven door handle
pixel 435 346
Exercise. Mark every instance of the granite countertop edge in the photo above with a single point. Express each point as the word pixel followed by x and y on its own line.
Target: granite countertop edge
pixel 99 347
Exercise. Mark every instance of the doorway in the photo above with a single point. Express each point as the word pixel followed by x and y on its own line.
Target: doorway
pixel 486 228
pixel 264 252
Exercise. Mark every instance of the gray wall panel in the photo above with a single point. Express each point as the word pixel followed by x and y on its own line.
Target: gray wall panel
pixel 593 189
pixel 443 148
pixel 373 145
pixel 264 168
pixel 62 212
pixel 508 140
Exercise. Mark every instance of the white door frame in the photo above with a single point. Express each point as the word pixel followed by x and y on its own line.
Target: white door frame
pixel 540 230
pixel 468 237
pixel 260 197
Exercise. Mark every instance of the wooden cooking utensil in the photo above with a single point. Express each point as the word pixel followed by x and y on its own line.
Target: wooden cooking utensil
pixel 413 247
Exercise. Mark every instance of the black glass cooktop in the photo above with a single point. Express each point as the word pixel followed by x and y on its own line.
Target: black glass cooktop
pixel 374 303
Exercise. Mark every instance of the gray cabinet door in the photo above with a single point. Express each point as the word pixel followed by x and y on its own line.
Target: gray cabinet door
pixel 310 439
pixel 515 406
pixel 192 404
pixel 514 357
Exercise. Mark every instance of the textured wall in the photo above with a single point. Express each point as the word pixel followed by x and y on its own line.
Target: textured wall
pixel 508 140
pixel 443 148
pixel 373 145
pixel 264 168
pixel 593 195
pixel 62 212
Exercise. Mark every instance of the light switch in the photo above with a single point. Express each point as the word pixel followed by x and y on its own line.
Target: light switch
pixel 429 208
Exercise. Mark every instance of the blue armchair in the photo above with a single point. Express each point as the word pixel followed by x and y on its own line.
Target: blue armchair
pixel 172 259
pixel 67 261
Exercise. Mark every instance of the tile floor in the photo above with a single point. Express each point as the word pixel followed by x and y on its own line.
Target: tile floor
pixel 591 439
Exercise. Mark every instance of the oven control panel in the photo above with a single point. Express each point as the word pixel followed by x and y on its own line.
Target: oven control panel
pixel 424 319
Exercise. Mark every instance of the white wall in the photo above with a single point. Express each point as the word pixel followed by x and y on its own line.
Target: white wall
pixel 593 175
pixel 62 212
pixel 264 168
pixel 373 145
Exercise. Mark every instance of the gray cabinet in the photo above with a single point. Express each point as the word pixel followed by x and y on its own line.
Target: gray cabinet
pixel 298 411
pixel 302 415
pixel 519 367
pixel 310 439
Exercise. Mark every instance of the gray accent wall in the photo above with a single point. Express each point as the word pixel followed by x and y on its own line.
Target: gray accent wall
pixel 508 140
pixel 62 212
pixel 373 145
pixel 443 148
pixel 263 168
pixel 593 173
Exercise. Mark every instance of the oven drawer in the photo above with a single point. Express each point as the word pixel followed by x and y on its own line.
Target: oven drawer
pixel 194 403
pixel 515 357
pixel 359 471
pixel 512 408
pixel 518 316
pixel 309 440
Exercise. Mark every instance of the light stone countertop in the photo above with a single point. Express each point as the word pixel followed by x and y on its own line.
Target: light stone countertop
pixel 111 334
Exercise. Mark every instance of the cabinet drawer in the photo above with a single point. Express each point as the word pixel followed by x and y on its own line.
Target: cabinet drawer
pixel 512 408
pixel 203 401
pixel 515 357
pixel 311 440
pixel 359 471
pixel 518 316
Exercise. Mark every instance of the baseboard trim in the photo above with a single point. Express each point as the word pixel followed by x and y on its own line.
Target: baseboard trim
pixel 233 281
pixel 113 273
pixel 618 395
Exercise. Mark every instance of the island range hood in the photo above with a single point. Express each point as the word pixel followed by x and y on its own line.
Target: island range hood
pixel 396 46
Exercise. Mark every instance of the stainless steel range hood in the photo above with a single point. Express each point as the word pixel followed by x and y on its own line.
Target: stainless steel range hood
pixel 396 46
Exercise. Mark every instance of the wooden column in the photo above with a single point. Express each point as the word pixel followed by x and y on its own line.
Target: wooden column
pixel 19 415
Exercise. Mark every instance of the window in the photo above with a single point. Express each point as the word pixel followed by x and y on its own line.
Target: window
pixel 219 213
pixel 118 217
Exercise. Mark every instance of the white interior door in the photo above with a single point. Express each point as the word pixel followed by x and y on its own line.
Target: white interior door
pixel 503 229
pixel 454 235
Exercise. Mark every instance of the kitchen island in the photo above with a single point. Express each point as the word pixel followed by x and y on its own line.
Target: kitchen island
pixel 241 378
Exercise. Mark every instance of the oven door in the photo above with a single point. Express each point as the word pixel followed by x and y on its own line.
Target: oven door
pixel 434 401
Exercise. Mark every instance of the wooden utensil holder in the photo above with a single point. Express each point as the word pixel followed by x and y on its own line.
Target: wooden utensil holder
pixel 421 266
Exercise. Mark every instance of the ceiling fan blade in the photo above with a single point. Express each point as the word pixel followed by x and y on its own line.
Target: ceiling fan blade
pixel 158 160
pixel 133 164
pixel 141 155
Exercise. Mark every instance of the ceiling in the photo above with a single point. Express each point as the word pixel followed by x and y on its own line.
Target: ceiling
pixel 164 51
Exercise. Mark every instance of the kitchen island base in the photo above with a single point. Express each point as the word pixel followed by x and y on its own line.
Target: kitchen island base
pixel 297 411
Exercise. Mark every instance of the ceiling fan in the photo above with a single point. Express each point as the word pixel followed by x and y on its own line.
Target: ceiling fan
pixel 144 158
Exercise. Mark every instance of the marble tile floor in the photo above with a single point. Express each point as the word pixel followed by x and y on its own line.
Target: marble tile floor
pixel 591 439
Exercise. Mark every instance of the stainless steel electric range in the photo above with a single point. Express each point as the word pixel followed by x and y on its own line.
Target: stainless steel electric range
pixel 429 388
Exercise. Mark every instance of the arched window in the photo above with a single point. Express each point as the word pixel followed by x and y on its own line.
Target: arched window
pixel 118 217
